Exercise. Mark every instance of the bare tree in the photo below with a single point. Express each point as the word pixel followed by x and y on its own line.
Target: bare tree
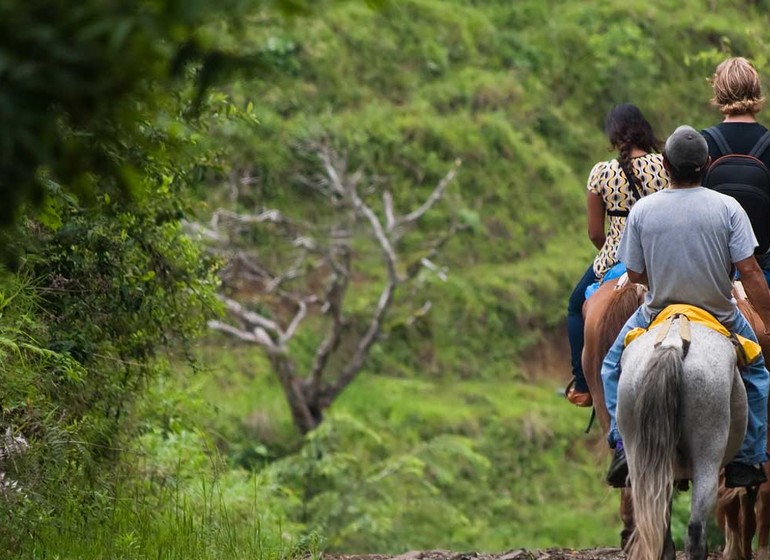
pixel 321 254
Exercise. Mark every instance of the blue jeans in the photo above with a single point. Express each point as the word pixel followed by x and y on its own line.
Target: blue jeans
pixel 575 327
pixel 755 378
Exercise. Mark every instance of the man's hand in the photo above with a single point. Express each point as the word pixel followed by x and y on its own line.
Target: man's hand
pixel 756 289
pixel 637 277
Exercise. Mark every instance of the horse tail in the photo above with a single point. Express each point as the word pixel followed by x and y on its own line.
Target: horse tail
pixel 654 443
pixel 620 306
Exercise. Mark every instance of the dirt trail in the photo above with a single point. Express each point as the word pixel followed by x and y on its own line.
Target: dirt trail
pixel 518 554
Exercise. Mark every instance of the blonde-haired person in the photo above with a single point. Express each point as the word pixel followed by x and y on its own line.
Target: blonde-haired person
pixel 738 96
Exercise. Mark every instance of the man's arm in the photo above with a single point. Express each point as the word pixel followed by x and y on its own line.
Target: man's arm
pixel 756 288
pixel 637 277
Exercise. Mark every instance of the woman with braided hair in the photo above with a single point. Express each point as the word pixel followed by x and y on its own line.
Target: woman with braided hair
pixel 613 187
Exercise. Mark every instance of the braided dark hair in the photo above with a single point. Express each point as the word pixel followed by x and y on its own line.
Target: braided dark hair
pixel 627 128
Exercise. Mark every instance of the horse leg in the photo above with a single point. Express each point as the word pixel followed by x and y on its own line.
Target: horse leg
pixel 704 495
pixel 729 519
pixel 669 551
pixel 592 366
pixel 748 521
pixel 626 516
pixel 763 517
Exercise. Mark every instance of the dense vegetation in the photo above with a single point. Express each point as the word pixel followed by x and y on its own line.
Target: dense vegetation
pixel 148 440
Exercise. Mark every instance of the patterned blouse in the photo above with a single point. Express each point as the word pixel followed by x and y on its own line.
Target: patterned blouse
pixel 608 181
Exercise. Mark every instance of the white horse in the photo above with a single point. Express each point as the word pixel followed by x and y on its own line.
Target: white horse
pixel 682 412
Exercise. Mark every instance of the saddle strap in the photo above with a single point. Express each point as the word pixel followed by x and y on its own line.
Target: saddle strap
pixel 684 332
pixel 740 291
pixel 740 351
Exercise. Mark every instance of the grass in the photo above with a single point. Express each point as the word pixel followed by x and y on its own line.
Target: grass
pixel 539 482
pixel 167 525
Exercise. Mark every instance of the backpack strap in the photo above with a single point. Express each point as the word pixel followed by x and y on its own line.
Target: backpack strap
pixel 761 145
pixel 720 140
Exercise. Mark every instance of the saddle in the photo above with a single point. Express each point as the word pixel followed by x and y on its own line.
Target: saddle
pixel 618 270
pixel 747 350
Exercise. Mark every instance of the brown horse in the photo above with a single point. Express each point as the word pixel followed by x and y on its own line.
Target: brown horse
pixel 741 513
pixel 605 313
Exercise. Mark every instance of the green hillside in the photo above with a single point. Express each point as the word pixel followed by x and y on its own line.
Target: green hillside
pixel 517 91
pixel 151 437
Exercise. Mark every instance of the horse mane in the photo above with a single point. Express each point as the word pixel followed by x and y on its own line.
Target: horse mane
pixel 621 305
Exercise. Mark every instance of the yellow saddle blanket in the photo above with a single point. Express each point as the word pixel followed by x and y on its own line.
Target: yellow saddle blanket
pixel 750 349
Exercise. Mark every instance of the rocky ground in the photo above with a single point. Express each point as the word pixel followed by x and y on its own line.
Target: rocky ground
pixel 519 554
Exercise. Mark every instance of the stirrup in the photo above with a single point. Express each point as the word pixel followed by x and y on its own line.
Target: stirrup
pixel 582 400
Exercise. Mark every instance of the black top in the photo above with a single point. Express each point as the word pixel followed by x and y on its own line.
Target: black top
pixel 741 137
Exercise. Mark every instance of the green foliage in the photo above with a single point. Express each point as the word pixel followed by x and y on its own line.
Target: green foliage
pixel 400 464
pixel 79 340
pixel 423 465
pixel 518 91
pixel 515 93
pixel 167 523
pixel 102 288
pixel 73 77
pixel 83 82
pixel 108 123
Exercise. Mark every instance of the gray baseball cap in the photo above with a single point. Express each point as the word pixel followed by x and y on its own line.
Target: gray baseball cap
pixel 686 149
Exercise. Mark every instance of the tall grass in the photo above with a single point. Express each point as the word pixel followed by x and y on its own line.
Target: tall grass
pixel 166 523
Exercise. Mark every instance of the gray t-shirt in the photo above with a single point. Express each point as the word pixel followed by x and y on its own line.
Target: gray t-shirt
pixel 686 240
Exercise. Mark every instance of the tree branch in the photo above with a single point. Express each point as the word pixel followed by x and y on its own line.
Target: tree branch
pixel 379 233
pixel 294 272
pixel 390 219
pixel 434 197
pixel 258 335
pixel 334 300
pixel 250 317
pixel 271 215
pixel 203 232
pixel 353 367
pixel 331 164
pixel 298 317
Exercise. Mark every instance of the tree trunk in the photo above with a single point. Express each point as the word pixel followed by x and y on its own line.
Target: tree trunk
pixel 305 413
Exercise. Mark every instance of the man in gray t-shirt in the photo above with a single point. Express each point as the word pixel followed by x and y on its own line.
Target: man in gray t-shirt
pixel 686 240
pixel 683 242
